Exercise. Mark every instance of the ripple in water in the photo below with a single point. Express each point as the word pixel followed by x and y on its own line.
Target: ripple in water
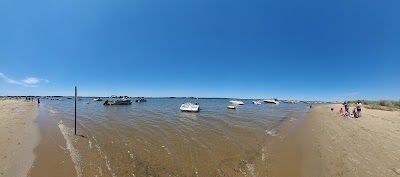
pixel 156 139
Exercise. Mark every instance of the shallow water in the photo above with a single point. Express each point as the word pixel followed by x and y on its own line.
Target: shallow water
pixel 155 138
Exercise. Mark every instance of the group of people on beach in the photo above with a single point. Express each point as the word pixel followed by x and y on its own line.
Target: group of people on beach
pixel 356 113
pixel 31 99
pixel 28 99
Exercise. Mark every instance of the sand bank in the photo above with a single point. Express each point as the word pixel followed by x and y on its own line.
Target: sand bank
pixel 19 135
pixel 338 146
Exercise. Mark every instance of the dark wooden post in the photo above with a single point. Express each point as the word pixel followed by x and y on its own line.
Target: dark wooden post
pixel 75 108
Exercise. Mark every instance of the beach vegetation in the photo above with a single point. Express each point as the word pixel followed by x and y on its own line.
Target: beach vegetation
pixel 388 105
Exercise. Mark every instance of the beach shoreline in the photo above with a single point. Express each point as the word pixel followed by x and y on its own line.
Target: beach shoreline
pixel 333 145
pixel 53 157
pixel 325 144
pixel 19 135
pixel 285 156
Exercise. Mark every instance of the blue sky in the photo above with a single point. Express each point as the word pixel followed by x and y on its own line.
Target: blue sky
pixel 312 50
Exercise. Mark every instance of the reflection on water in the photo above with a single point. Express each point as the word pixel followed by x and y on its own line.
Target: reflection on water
pixel 155 138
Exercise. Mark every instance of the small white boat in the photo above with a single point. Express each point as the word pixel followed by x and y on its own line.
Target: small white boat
pixel 190 107
pixel 231 107
pixel 237 102
pixel 257 102
pixel 97 99
pixel 272 101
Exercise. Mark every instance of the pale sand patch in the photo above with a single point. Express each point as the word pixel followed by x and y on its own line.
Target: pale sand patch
pixel 19 135
pixel 337 146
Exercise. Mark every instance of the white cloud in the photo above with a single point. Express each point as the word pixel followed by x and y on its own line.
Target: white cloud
pixel 31 80
pixel 28 82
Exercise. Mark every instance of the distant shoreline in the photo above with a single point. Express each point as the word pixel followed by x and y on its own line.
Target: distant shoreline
pixel 172 97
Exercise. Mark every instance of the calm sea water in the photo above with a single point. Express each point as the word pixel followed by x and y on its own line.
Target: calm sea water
pixel 155 138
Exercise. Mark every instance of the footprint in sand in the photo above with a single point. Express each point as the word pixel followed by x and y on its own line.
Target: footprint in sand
pixel 396 170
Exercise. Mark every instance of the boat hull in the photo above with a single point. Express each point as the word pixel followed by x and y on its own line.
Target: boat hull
pixel 189 108
pixel 118 103
pixel 231 107
pixel 237 102
pixel 270 102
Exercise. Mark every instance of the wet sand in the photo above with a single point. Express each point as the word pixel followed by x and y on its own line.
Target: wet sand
pixel 337 146
pixel 53 157
pixel 285 152
pixel 19 135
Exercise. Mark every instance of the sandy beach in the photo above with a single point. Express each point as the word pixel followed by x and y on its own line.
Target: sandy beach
pixel 19 135
pixel 319 144
pixel 338 146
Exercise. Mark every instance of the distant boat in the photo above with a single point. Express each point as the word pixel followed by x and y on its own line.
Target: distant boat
pixel 237 102
pixel 121 101
pixel 140 99
pixel 231 107
pixel 98 99
pixel 190 107
pixel 272 101
pixel 291 101
pixel 257 102
pixel 69 97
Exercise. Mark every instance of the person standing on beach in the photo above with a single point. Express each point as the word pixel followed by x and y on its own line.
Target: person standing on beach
pixel 346 107
pixel 310 103
pixel 359 105
pixel 38 101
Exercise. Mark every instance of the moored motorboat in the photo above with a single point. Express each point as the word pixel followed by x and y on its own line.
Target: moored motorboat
pixel 140 99
pixel 272 101
pixel 257 102
pixel 121 101
pixel 231 107
pixel 237 102
pixel 190 107
pixel 98 99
